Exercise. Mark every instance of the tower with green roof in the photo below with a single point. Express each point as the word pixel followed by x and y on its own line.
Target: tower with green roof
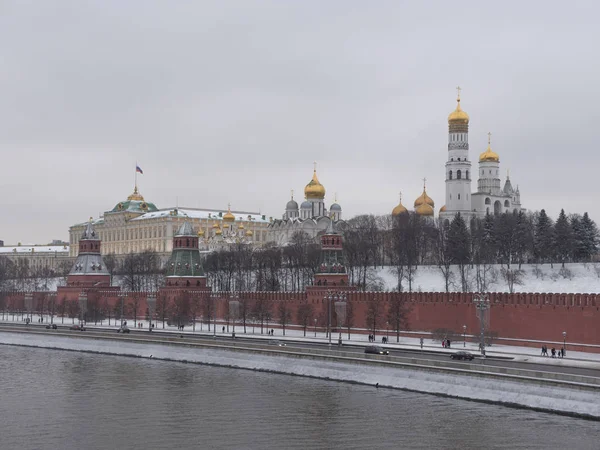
pixel 185 268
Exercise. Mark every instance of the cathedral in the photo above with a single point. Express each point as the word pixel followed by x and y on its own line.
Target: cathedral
pixel 489 198
pixel 312 217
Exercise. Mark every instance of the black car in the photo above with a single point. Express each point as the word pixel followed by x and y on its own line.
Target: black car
pixel 123 330
pixel 51 326
pixel 376 350
pixel 462 356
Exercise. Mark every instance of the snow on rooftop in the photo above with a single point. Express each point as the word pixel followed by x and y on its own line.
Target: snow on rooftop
pixel 35 249
pixel 203 214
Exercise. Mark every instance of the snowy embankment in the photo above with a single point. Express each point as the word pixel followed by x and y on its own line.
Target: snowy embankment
pixel 582 278
pixel 564 400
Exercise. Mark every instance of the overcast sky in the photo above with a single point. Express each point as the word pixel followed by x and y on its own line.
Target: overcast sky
pixel 232 101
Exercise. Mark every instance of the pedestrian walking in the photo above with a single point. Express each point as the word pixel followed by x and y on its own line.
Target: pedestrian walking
pixel 553 352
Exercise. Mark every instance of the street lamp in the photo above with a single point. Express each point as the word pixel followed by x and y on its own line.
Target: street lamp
pixel 315 327
pixel 340 313
pixel 329 298
pixel 151 301
pixel 387 331
pixel 482 304
pixel 464 335
pixel 564 342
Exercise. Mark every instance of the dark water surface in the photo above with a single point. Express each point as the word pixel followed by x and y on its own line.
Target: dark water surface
pixel 67 400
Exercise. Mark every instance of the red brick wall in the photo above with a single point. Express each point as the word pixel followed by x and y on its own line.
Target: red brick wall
pixel 527 316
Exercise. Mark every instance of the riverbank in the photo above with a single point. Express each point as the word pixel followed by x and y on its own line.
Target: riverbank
pixel 563 400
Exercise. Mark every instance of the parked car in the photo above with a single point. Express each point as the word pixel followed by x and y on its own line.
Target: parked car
pixel 376 350
pixel 277 343
pixel 77 328
pixel 462 355
pixel 123 330
pixel 51 326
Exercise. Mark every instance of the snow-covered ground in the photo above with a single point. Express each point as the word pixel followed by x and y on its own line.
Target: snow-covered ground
pixel 567 400
pixel 578 278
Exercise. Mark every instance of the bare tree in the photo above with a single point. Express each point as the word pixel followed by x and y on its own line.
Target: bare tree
pixel 285 314
pixel 305 315
pixel 375 310
pixel 397 314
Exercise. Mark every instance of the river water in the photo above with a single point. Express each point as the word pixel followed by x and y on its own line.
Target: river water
pixel 68 400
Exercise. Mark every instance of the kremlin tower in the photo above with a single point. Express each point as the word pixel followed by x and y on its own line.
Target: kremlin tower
pixel 184 268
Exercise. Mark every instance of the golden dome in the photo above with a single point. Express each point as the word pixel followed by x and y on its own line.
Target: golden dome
pixel 249 233
pixel 424 210
pixel 136 195
pixel 241 227
pixel 228 217
pixel 201 233
pixel 218 232
pixel 424 199
pixel 225 225
pixel 400 209
pixel 314 189
pixel 458 116
pixel 215 225
pixel 443 209
pixel 489 155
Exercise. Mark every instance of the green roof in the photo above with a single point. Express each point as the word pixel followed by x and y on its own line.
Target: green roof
pixel 185 262
pixel 136 206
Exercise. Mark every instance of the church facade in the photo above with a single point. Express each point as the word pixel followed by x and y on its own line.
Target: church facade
pixel 311 217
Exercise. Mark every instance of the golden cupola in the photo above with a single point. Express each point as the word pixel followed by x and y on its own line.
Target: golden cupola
pixel 400 209
pixel 489 155
pixel 228 217
pixel 424 199
pixel 136 195
pixel 314 189
pixel 424 203
pixel 424 210
pixel 458 116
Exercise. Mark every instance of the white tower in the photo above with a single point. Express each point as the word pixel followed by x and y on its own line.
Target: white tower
pixel 458 166
pixel 489 171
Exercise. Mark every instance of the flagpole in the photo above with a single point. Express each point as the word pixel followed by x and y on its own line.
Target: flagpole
pixel 135 179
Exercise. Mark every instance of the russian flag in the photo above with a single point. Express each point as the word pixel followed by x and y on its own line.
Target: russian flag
pixel 139 169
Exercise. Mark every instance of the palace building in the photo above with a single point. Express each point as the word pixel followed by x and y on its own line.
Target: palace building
pixel 135 225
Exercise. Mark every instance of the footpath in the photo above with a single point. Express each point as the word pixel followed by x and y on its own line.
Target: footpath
pixel 359 338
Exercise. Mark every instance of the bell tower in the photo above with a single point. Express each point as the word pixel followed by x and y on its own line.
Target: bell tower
pixel 458 166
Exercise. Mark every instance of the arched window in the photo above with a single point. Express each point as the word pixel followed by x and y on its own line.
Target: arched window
pixel 459 196
pixel 450 175
pixel 467 175
pixel 488 201
pixel 506 203
pixel 458 175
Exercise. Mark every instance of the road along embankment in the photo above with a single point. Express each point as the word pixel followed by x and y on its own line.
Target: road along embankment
pixel 577 399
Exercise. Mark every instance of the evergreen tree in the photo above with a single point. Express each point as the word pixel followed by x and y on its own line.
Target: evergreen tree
pixel 563 238
pixel 523 238
pixel 590 237
pixel 578 238
pixel 543 238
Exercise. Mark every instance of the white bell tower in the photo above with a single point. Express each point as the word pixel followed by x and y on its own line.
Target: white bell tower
pixel 458 166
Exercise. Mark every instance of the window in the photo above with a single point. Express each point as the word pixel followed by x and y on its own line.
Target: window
pixel 458 175
pixel 506 203
pixel 488 201
pixel 459 196
pixel 450 175
pixel 467 175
